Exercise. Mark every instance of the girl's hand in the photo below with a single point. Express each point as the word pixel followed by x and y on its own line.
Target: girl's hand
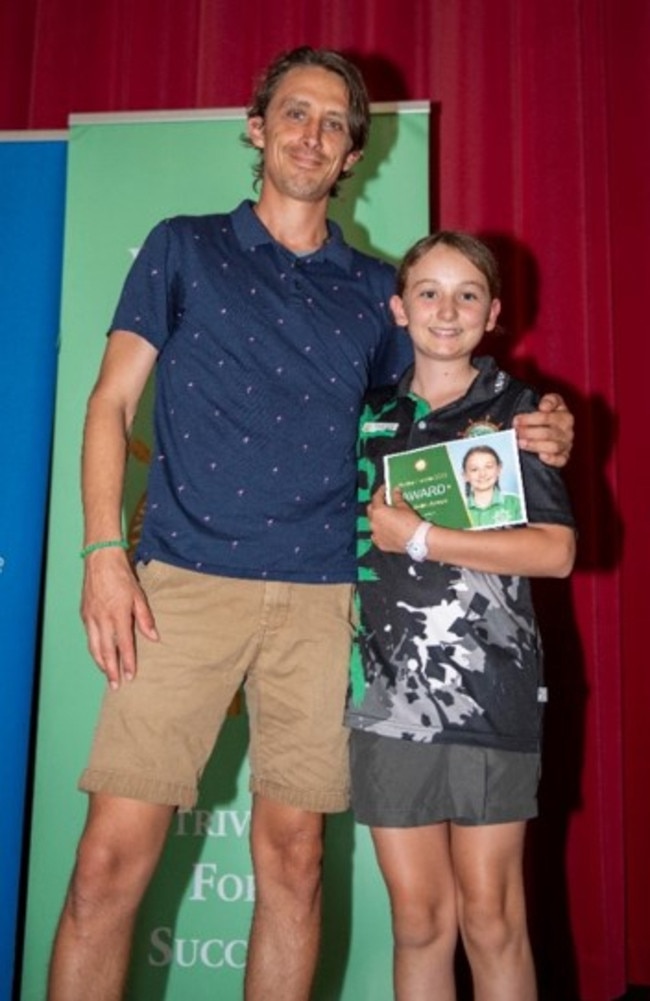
pixel 391 525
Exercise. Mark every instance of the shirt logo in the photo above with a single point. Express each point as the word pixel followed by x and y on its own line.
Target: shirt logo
pixel 476 428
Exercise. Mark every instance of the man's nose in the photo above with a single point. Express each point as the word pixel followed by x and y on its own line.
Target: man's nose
pixel 312 132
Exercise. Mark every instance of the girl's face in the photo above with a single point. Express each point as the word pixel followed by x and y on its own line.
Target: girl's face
pixel 481 471
pixel 446 305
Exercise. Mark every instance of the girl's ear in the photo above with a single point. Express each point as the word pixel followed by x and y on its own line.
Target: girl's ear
pixel 397 309
pixel 495 309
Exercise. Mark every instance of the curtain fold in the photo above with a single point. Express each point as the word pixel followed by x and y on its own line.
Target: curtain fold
pixel 628 105
pixel 542 146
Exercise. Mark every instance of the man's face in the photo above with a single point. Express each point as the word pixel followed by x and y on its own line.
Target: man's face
pixel 305 134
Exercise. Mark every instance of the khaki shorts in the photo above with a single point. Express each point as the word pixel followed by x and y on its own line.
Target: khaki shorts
pixel 288 643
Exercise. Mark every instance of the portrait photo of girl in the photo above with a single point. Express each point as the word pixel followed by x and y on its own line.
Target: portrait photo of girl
pixel 488 505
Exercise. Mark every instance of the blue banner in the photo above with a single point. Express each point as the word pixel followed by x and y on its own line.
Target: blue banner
pixel 32 186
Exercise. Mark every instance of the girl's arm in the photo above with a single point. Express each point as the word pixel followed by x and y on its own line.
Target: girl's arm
pixel 528 551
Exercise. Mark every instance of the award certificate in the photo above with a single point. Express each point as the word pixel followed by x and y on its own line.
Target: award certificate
pixel 470 482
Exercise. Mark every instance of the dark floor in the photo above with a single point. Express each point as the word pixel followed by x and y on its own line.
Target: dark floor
pixel 633 994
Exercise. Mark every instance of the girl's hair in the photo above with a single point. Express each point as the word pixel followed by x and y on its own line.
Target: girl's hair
pixel 486 450
pixel 469 246
pixel 328 59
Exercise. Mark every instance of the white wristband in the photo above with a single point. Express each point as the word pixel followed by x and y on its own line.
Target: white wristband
pixel 416 547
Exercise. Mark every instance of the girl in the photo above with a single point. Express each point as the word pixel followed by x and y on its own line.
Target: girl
pixel 447 693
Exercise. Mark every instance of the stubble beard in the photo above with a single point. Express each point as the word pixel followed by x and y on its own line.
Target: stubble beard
pixel 301 185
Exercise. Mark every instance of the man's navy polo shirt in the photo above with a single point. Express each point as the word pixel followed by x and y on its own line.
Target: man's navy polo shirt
pixel 264 358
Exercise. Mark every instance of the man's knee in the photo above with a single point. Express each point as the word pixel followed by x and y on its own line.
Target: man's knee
pixel 287 848
pixel 104 876
pixel 116 855
pixel 297 851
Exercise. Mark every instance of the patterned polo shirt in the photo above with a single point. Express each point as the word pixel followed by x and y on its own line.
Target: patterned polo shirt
pixel 264 358
pixel 448 654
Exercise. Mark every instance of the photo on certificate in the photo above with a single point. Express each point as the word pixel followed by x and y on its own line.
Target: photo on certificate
pixel 472 483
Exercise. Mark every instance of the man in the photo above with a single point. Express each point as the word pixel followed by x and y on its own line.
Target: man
pixel 265 328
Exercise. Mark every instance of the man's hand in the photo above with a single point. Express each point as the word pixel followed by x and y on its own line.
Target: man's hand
pixel 112 604
pixel 393 525
pixel 547 431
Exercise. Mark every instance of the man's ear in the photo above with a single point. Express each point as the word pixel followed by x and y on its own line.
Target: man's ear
pixel 397 309
pixel 351 159
pixel 255 131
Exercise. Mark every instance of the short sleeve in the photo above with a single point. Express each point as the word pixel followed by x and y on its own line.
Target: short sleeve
pixel 547 499
pixel 147 304
pixel 395 352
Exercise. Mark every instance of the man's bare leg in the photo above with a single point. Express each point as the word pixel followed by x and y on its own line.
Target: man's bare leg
pixel 287 848
pixel 117 855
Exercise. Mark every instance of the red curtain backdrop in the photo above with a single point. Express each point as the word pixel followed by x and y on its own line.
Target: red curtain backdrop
pixel 541 142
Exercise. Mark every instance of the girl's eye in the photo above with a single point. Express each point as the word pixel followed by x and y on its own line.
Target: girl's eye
pixel 334 125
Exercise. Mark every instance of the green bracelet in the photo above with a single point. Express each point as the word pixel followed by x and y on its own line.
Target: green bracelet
pixel 109 544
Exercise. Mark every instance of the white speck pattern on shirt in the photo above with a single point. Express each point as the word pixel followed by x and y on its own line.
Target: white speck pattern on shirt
pixel 263 362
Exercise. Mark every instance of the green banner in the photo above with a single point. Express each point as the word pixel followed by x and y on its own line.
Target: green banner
pixel 125 173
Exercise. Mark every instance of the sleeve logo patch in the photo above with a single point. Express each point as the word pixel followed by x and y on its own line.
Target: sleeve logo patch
pixel 379 427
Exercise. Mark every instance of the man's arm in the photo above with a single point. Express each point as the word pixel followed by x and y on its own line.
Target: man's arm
pixel 547 431
pixel 112 601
